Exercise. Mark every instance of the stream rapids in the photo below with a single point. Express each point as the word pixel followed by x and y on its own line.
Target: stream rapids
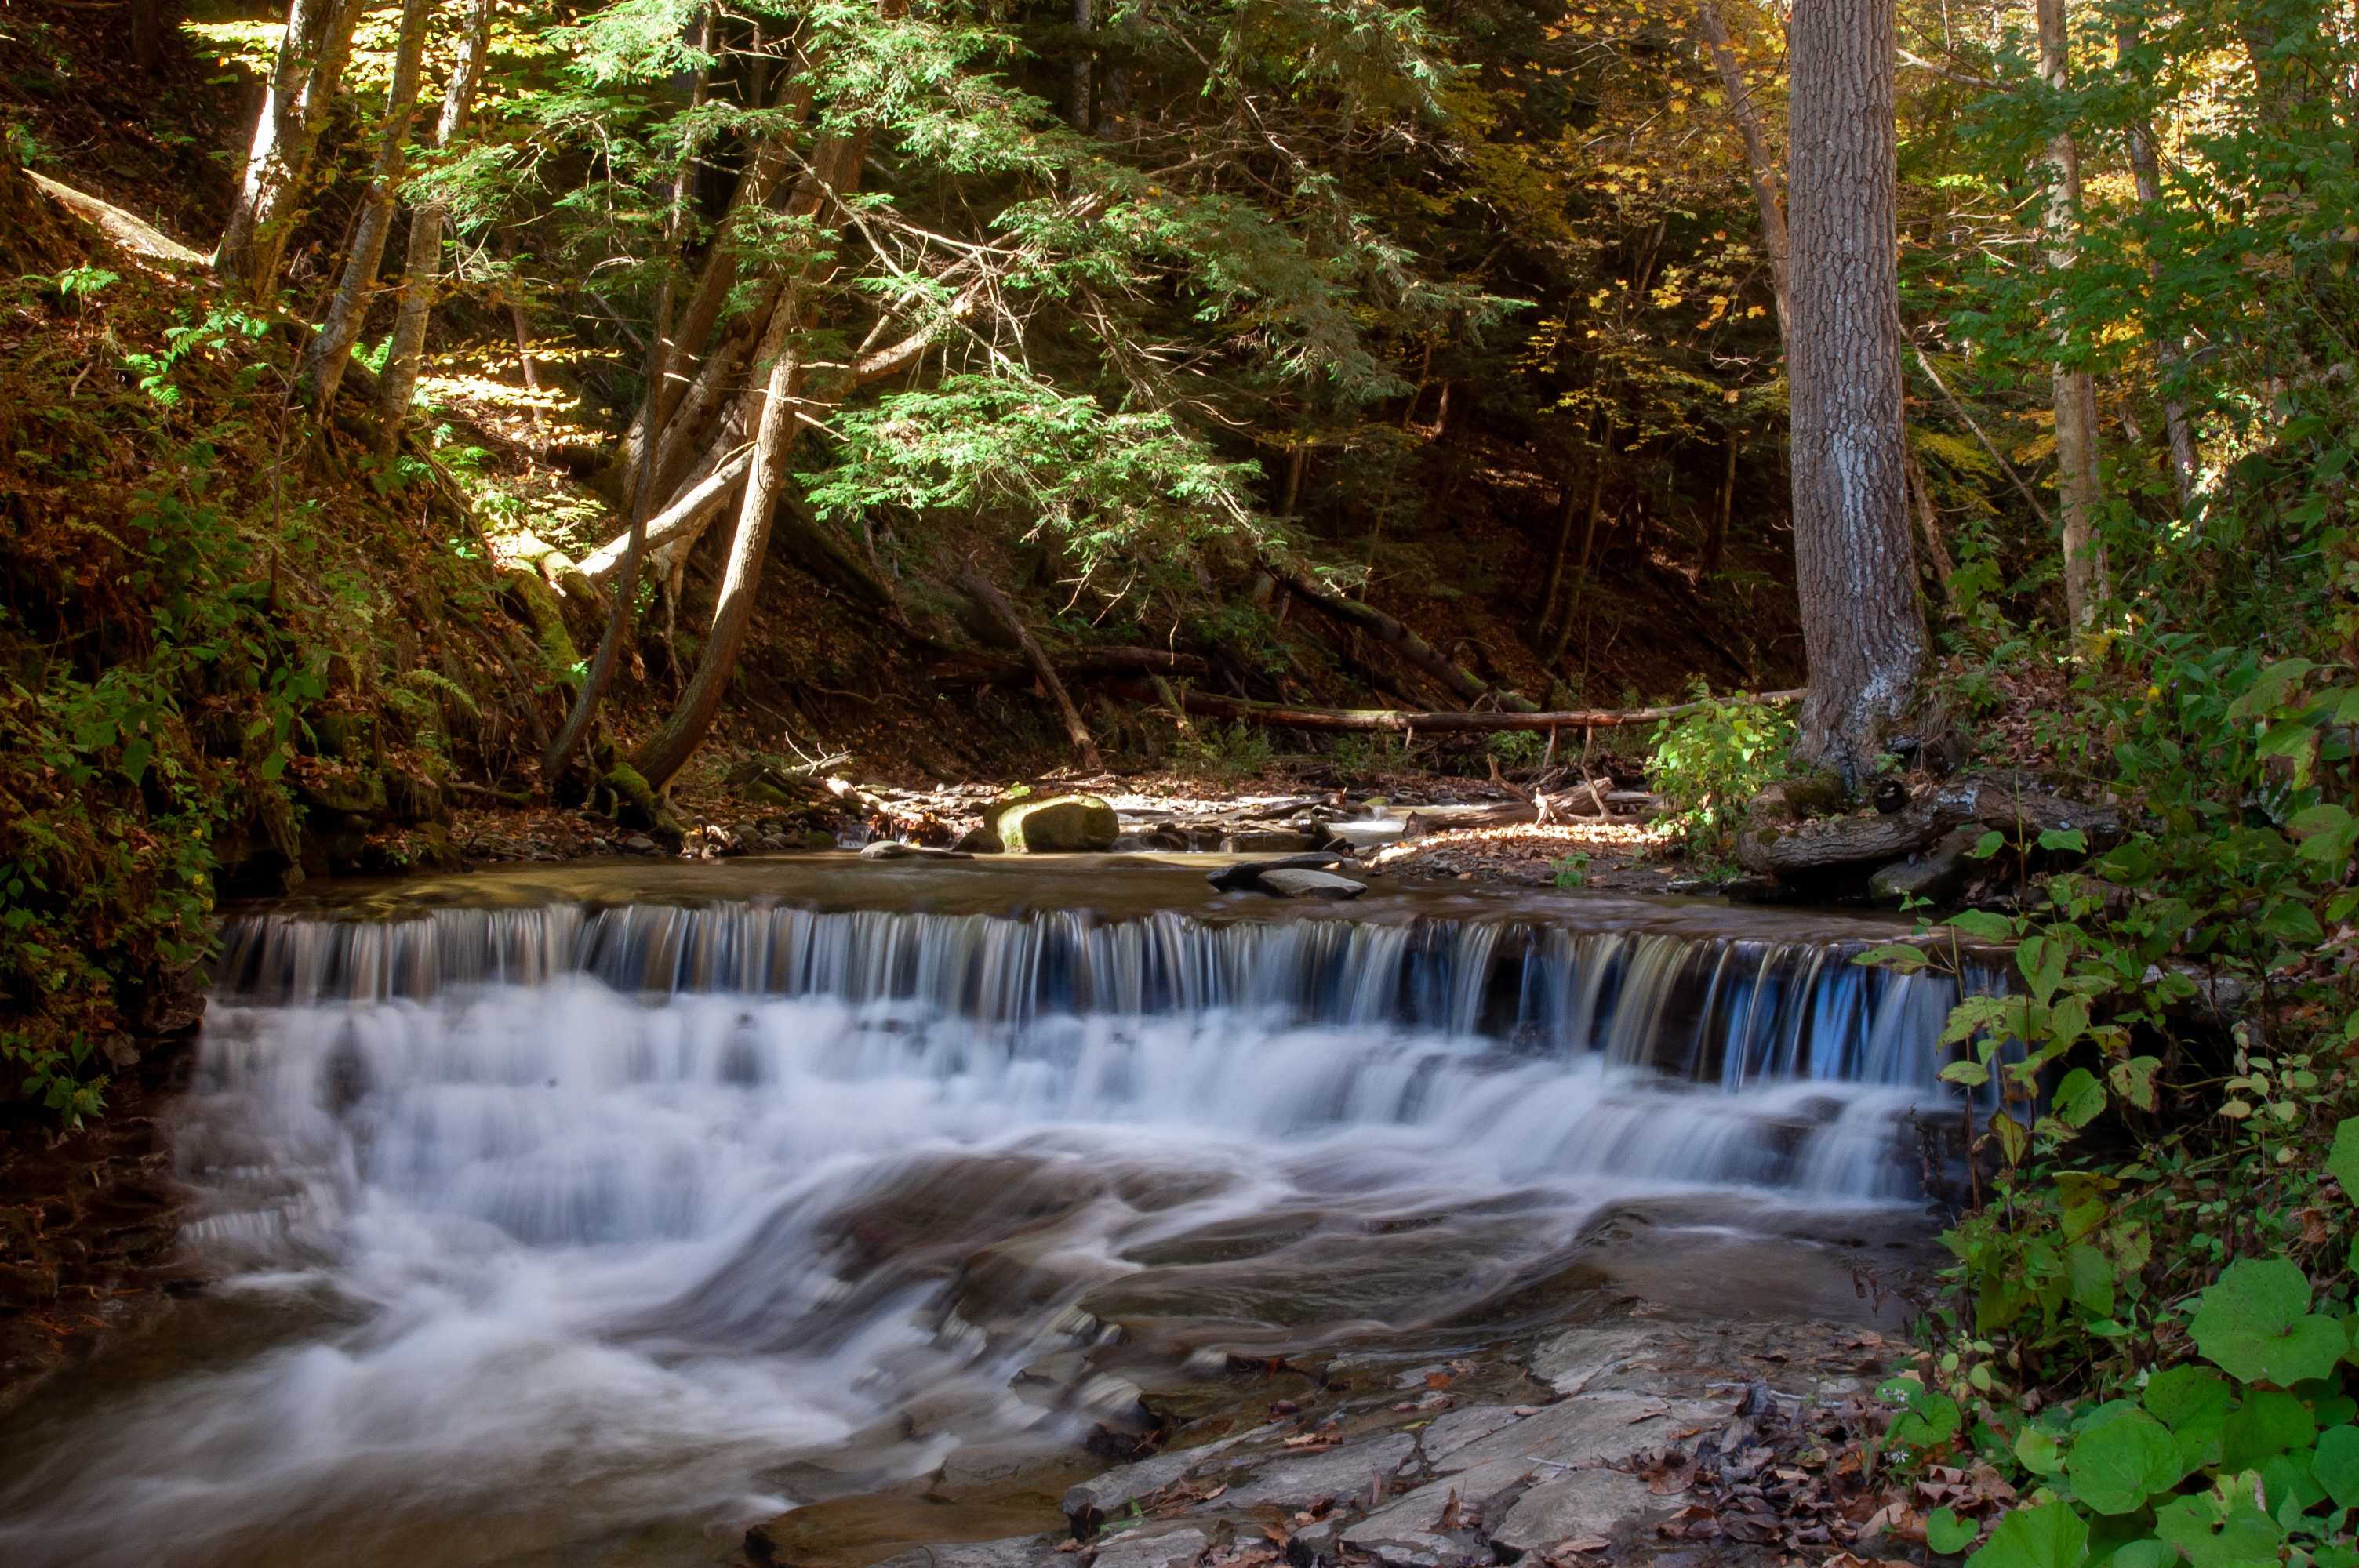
pixel 583 1225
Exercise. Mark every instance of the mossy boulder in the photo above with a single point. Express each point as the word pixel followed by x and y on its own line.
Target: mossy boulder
pixel 1054 825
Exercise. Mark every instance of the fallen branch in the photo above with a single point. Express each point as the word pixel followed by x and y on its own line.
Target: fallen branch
pixel 690 512
pixel 1411 647
pixel 1077 666
pixel 1354 718
pixel 980 589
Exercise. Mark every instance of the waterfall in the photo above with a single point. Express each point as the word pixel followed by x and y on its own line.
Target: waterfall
pixel 531 1225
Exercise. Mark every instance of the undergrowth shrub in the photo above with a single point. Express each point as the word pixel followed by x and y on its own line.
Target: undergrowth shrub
pixel 1708 763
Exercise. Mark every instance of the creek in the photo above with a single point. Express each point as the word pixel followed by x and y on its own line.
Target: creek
pixel 587 1215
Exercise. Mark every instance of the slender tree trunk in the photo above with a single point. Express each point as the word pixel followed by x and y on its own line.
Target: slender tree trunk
pixel 2078 493
pixel 304 81
pixel 1588 543
pixel 835 173
pixel 2145 172
pixel 422 269
pixel 1716 540
pixel 1078 108
pixel 148 34
pixel 1758 165
pixel 1567 506
pixel 981 589
pixel 1937 553
pixel 1863 630
pixel 331 348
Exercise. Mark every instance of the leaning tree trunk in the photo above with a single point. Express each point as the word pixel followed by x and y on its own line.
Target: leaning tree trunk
pixel 295 107
pixel 1861 628
pixel 331 348
pixel 422 270
pixel 2078 494
pixel 1759 167
pixel 2145 173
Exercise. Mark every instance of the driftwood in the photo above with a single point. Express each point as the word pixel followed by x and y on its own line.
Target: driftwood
pixel 1356 718
pixel 1412 648
pixel 2003 804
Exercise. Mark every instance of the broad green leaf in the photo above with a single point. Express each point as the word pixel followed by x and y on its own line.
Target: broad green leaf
pixel 1970 1073
pixel 2013 1140
pixel 2267 1424
pixel 2335 1466
pixel 1948 1534
pixel 2268 688
pixel 2038 1450
pixel 2193 1402
pixel 2256 1323
pixel 2041 959
pixel 1983 924
pixel 2289 1487
pixel 2147 1553
pixel 2120 1465
pixel 2343 1160
pixel 2080 1097
pixel 2090 1276
pixel 1989 844
pixel 2133 1080
pixel 2328 833
pixel 2070 838
pixel 2213 1537
pixel 2049 1536
pixel 1929 1421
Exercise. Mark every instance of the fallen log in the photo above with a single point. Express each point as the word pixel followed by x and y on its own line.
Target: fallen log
pixel 1411 647
pixel 1091 665
pixel 1363 719
pixel 1998 803
pixel 690 512
pixel 980 590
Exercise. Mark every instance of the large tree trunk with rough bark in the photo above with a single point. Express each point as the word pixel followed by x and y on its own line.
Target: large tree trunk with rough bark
pixel 1758 165
pixel 422 269
pixel 2078 493
pixel 1863 630
pixel 331 348
pixel 304 81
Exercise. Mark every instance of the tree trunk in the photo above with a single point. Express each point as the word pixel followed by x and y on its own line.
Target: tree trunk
pixel 980 589
pixel 1715 541
pixel 1757 163
pixel 1937 553
pixel 2077 495
pixel 2145 174
pixel 331 348
pixel 148 34
pixel 1567 506
pixel 304 79
pixel 1588 543
pixel 1863 633
pixel 422 269
pixel 1077 107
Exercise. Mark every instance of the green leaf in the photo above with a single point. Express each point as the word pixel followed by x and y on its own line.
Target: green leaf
pixel 2268 690
pixel 2267 1424
pixel 2343 1160
pixel 2328 833
pixel 135 757
pixel 2080 1097
pixel 2256 1323
pixel 2049 1536
pixel 2145 1552
pixel 1986 846
pixel 2090 1274
pixel 2070 838
pixel 1980 923
pixel 1948 1534
pixel 2118 1467
pixel 2335 1466
pixel 2133 1080
pixel 2193 1401
pixel 2213 1537
pixel 1930 1420
pixel 2036 1448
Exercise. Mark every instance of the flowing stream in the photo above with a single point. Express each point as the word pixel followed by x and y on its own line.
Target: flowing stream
pixel 562 1228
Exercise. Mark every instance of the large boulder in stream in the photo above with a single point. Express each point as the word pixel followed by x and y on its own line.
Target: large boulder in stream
pixel 1054 825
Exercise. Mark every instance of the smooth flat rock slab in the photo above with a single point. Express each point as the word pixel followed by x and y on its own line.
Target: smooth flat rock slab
pixel 1020 1552
pixel 1420 1531
pixel 1107 1493
pixel 1175 1548
pixel 1575 1504
pixel 1340 1474
pixel 1575 1358
pixel 1454 1430
pixel 1580 1431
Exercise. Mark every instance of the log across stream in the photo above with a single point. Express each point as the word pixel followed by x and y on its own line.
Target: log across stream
pixel 601 1214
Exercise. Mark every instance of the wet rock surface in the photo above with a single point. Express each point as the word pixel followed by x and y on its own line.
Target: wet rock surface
pixel 1640 1437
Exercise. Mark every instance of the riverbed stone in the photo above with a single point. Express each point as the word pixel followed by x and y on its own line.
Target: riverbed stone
pixel 1312 885
pixel 1586 1430
pixel 1352 1471
pixel 1568 1506
pixel 1059 825
pixel 981 841
pixel 1435 1525
pixel 1936 875
pixel 1273 841
pixel 1018 1552
pixel 1107 1494
pixel 1170 1546
pixel 1572 1360
pixel 1454 1430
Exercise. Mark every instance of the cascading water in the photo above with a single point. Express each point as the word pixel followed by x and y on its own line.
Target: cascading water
pixel 552 1234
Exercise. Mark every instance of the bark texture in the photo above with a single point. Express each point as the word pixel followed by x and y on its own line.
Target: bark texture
pixel 1863 630
pixel 304 81
pixel 422 268
pixel 330 349
pixel 2078 494
pixel 980 590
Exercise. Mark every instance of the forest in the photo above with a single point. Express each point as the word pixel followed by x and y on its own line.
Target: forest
pixel 1739 430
